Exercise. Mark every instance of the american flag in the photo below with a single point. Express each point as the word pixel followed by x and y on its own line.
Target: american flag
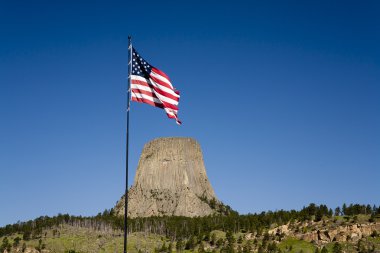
pixel 152 86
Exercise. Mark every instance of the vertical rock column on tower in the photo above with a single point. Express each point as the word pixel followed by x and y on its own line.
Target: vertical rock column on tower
pixel 170 180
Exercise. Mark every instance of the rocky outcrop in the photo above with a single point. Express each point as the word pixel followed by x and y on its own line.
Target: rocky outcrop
pixel 26 250
pixel 170 180
pixel 323 234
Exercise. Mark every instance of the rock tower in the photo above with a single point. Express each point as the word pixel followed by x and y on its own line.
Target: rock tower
pixel 170 180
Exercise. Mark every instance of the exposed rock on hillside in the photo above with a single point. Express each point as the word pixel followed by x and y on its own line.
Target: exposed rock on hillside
pixel 170 180
pixel 321 233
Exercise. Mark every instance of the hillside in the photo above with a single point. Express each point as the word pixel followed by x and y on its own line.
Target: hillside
pixel 303 231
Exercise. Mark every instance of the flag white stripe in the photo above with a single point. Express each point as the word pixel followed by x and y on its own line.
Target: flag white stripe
pixel 153 88
pixel 170 111
pixel 141 87
pixel 159 96
pixel 159 86
pixel 166 99
pixel 144 96
pixel 155 85
pixel 162 78
pixel 153 99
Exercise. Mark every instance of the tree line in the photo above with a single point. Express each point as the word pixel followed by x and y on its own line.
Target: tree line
pixel 176 228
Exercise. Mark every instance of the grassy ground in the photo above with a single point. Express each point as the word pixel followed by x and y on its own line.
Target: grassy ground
pixel 85 240
pixel 292 245
pixel 92 241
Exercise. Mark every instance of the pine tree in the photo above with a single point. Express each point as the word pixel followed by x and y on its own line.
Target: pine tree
pixel 368 209
pixel 337 211
pixel 16 241
pixel 374 209
pixel 190 244
pixel 170 247
pixel 337 248
pixel 230 237
pixel 247 248
pixel 318 215
pixel 201 248
pixel 179 245
pixel 213 239
pixel 344 209
pixel 26 235
pixel 207 237
pixel 272 247
pixel 163 247
pixel 266 237
pixel 219 242
pixel 5 245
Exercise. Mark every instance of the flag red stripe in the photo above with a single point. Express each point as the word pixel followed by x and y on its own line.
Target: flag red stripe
pixel 158 90
pixel 151 94
pixel 155 90
pixel 174 116
pixel 155 84
pixel 147 101
pixel 137 88
pixel 161 73
pixel 160 82
pixel 171 116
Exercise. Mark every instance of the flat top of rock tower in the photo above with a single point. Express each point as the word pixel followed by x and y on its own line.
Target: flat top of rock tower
pixel 168 139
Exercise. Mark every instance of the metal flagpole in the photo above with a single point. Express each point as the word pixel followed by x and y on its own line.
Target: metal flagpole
pixel 127 143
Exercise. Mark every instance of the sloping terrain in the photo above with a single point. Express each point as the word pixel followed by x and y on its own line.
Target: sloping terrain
pixel 292 237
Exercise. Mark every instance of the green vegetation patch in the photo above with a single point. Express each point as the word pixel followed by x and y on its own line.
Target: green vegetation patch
pixel 293 245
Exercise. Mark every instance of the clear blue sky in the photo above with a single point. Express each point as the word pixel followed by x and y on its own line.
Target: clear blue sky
pixel 283 96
